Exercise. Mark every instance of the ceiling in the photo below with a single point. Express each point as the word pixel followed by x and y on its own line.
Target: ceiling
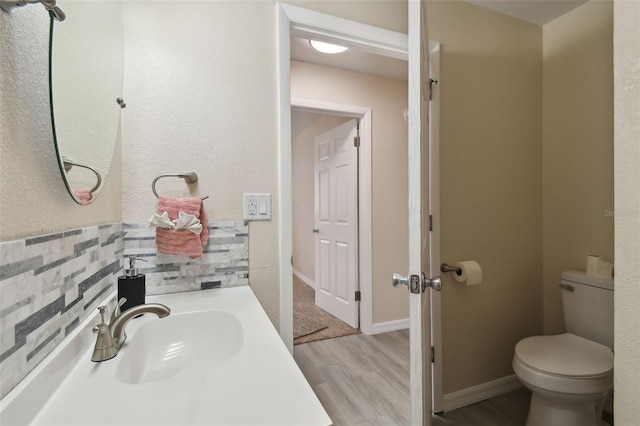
pixel 539 12
pixel 351 60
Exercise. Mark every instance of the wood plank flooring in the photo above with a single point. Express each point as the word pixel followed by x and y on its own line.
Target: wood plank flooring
pixel 364 380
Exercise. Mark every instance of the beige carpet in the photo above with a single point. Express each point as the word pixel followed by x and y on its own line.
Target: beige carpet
pixel 310 323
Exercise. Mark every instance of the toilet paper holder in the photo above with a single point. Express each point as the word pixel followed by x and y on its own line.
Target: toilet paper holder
pixel 448 268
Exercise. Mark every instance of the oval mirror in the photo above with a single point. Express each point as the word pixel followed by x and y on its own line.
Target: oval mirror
pixel 86 62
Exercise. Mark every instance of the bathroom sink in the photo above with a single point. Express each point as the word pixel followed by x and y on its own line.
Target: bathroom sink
pixel 178 345
pixel 216 354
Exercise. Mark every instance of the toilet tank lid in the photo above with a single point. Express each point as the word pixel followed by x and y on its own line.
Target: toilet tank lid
pixel 581 277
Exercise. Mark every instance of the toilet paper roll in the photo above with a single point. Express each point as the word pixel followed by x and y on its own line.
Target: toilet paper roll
pixel 597 267
pixel 592 264
pixel 604 270
pixel 471 273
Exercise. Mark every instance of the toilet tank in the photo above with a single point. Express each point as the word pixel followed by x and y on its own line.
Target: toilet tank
pixel 588 306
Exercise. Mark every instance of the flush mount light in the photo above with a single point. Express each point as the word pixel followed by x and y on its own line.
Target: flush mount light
pixel 329 48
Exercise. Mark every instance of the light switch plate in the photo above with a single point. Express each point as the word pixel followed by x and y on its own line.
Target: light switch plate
pixel 256 206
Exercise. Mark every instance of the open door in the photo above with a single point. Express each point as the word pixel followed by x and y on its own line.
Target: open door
pixel 419 218
pixel 336 222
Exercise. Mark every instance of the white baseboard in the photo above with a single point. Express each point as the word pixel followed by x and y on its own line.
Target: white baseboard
pixel 383 327
pixel 304 279
pixel 463 397
pixel 478 393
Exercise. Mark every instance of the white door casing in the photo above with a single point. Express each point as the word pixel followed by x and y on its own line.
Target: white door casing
pixel 336 222
pixel 419 235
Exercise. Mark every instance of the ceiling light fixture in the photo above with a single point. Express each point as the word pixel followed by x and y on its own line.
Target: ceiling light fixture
pixel 329 48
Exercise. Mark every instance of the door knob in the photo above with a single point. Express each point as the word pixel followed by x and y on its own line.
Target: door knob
pixel 315 230
pixel 399 280
pixel 435 282
pixel 412 281
pixel 416 283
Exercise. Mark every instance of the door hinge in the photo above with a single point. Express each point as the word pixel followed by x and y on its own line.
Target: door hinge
pixel 431 83
pixel 356 141
pixel 430 223
pixel 358 295
pixel 433 354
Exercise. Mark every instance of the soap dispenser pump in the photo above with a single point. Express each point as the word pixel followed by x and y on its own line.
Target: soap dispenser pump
pixel 132 286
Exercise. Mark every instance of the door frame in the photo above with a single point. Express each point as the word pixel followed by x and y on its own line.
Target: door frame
pixel 299 21
pixel 303 22
pixel 365 231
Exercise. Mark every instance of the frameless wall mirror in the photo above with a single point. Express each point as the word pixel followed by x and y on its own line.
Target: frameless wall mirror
pixel 86 61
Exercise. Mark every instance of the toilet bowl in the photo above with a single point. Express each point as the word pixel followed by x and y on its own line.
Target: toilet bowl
pixel 570 378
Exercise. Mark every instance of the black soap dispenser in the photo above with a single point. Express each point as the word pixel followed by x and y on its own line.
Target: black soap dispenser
pixel 131 286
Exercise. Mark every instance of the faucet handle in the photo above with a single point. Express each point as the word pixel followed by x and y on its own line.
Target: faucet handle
pixel 116 311
pixel 96 329
pixel 102 309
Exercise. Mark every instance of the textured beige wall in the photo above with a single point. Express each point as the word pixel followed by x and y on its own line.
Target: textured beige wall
pixel 491 201
pixel 577 146
pixel 201 96
pixel 387 99
pixel 302 176
pixel 33 198
pixel 627 206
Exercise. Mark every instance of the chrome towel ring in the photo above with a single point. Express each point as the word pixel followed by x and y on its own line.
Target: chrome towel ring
pixel 189 177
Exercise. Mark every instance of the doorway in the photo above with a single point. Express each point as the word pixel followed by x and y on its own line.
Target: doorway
pixel 310 119
pixel 393 47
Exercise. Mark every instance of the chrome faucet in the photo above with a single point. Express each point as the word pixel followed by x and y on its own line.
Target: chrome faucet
pixel 111 337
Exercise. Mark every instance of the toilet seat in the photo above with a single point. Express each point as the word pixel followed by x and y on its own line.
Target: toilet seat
pixel 565 355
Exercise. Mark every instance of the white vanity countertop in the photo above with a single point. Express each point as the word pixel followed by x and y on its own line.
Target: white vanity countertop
pixel 259 385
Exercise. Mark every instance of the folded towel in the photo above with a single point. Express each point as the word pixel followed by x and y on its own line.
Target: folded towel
pixel 161 221
pixel 188 222
pixel 84 196
pixel 184 221
pixel 182 241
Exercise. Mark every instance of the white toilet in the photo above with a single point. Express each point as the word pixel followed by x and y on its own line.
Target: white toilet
pixel 570 375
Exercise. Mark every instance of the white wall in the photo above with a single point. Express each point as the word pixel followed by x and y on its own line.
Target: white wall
pixel 200 92
pixel 627 205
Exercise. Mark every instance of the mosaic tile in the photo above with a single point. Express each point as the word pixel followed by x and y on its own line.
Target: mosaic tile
pixel 48 285
pixel 224 260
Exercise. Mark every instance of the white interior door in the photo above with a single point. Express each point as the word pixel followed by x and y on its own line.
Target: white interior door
pixel 419 235
pixel 336 229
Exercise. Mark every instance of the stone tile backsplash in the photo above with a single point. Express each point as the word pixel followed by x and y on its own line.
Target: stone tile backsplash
pixel 49 284
pixel 224 262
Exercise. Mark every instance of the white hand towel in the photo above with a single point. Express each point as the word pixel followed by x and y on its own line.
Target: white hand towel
pixel 161 221
pixel 184 221
pixel 188 222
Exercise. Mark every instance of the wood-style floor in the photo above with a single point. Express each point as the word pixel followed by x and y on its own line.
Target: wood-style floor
pixel 364 380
